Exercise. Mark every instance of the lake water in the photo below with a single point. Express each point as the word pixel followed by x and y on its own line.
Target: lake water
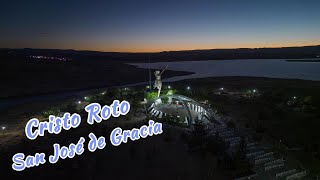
pixel 273 68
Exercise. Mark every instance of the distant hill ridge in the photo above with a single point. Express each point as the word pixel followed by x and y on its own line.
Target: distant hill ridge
pixel 184 55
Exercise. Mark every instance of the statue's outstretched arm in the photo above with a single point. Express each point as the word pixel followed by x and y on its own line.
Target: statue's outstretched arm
pixel 164 69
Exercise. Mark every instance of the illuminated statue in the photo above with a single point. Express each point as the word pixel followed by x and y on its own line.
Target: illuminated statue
pixel 158 82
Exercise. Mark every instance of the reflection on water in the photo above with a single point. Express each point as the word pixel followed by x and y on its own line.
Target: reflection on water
pixel 273 68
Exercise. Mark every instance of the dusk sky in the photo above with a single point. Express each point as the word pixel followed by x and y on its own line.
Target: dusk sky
pixel 158 25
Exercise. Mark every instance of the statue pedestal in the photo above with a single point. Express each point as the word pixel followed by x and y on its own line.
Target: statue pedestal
pixel 157 102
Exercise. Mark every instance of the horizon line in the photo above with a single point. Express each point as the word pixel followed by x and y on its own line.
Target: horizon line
pixel 167 50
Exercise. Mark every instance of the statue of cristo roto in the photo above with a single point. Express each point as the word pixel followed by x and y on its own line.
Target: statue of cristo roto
pixel 158 82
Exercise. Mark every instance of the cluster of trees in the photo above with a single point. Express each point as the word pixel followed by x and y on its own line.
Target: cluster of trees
pixel 106 97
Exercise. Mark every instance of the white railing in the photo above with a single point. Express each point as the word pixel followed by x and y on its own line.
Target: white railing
pixel 285 173
pixel 297 175
pixel 273 166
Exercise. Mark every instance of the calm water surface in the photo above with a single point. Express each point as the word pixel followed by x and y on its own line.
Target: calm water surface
pixel 273 68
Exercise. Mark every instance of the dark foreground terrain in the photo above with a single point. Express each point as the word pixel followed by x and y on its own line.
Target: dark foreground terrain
pixel 281 114
pixel 164 156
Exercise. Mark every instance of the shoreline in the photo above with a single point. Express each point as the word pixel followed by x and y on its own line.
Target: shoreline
pixel 62 95
pixel 93 87
pixel 297 60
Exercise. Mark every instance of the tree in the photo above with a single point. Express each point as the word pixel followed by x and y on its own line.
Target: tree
pixel 198 135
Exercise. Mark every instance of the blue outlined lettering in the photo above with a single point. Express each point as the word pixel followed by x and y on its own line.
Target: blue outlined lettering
pixel 119 136
pixel 97 114
pixel 54 126
pixel 19 164
pixel 95 143
pixel 28 129
pixel 65 152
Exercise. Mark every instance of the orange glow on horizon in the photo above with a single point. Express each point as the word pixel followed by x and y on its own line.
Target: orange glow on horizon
pixel 192 46
pixel 143 47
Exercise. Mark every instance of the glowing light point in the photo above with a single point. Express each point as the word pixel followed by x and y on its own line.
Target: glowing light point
pixel 3 127
pixel 188 88
pixel 79 102
pixel 169 87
